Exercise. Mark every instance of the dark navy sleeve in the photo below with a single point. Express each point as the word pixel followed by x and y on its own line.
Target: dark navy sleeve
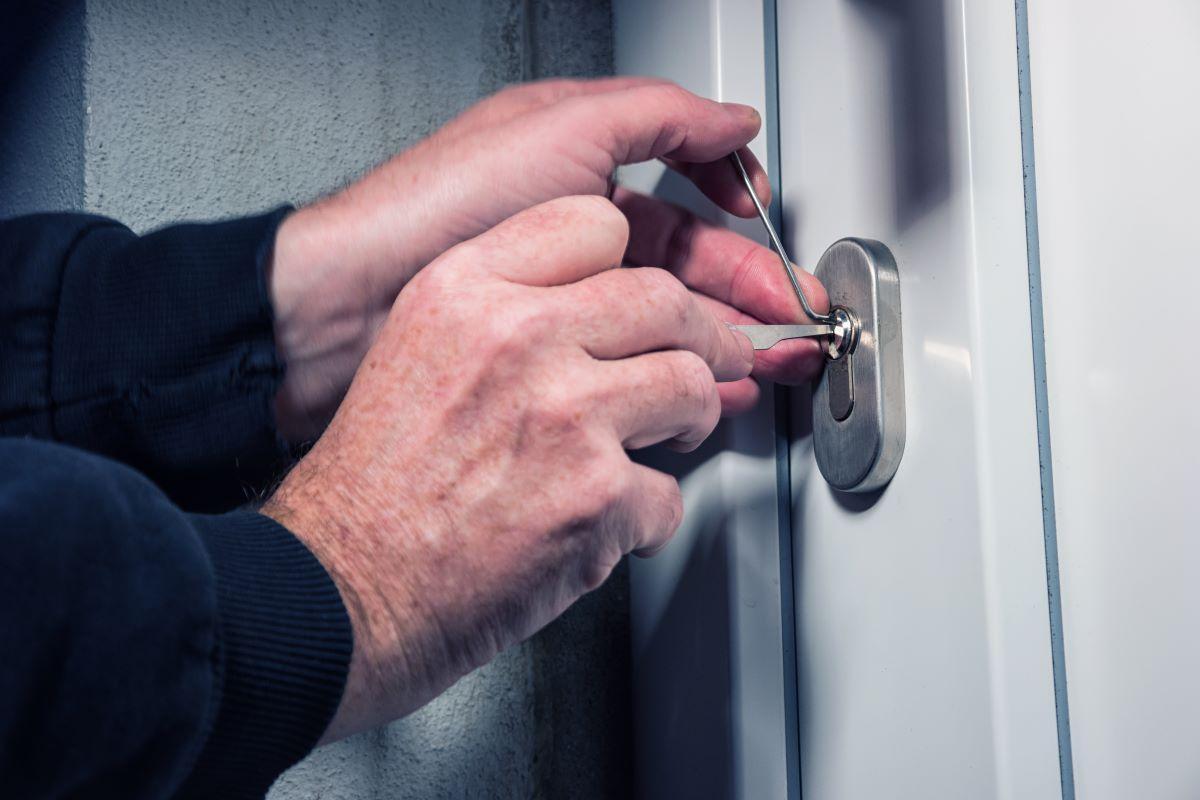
pixel 148 652
pixel 157 351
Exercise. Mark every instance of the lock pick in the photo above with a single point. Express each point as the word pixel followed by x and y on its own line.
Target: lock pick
pixel 777 243
pixel 764 337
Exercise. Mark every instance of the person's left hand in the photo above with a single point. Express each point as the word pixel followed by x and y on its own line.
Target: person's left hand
pixel 339 264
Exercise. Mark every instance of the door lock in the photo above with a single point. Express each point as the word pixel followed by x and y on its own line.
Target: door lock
pixel 858 405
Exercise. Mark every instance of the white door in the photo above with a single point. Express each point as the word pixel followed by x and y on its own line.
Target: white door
pixel 926 665
pixel 921 662
pixel 1115 122
pixel 1012 616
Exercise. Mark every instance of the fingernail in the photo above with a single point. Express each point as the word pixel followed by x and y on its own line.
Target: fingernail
pixel 748 112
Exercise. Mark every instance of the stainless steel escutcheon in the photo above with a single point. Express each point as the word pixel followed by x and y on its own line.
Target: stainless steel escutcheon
pixel 858 405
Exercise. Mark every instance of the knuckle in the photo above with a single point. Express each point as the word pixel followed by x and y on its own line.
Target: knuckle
pixel 436 278
pixel 534 94
pixel 662 518
pixel 606 486
pixel 658 280
pixel 529 321
pixel 750 269
pixel 498 329
pixel 603 213
pixel 691 377
pixel 559 412
pixel 613 489
pixel 680 237
pixel 517 91
pixel 597 568
pixel 430 293
pixel 674 508
pixel 613 216
pixel 516 319
pixel 590 206
pixel 668 295
pixel 497 346
pixel 598 516
pixel 669 95
pixel 672 516
pixel 591 210
pixel 555 89
pixel 712 409
pixel 556 412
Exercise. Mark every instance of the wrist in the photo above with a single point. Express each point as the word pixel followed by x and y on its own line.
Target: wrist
pixel 387 676
pixel 324 322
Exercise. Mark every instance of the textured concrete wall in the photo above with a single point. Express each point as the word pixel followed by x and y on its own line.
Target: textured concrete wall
pixel 217 107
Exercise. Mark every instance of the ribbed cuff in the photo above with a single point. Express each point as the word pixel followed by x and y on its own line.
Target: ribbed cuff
pixel 283 651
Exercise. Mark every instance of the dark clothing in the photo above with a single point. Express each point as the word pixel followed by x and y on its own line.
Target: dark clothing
pixel 148 649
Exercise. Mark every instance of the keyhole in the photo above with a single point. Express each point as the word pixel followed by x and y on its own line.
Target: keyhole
pixel 839 370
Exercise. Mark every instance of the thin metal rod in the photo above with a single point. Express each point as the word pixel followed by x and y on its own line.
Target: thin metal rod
pixel 776 243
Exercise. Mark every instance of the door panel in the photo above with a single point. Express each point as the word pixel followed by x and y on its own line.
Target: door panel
pixel 1115 124
pixel 922 617
pixel 922 611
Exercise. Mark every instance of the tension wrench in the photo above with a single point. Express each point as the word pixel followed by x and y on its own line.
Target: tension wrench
pixel 764 337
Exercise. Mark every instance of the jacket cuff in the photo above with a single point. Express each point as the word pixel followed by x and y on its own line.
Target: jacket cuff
pixel 164 356
pixel 283 651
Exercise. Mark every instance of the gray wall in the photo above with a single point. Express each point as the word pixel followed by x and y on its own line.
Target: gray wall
pixel 152 112
pixel 218 107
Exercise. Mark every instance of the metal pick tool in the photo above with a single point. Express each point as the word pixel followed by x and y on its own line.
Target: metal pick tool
pixel 764 337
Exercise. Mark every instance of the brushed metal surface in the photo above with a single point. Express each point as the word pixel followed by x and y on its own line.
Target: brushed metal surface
pixel 860 453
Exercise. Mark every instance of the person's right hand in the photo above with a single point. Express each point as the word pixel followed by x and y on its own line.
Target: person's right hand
pixel 475 480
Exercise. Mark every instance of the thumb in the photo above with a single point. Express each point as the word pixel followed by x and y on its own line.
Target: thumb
pixel 554 243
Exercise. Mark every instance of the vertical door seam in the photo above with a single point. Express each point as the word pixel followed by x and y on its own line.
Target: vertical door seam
pixel 1041 400
pixel 783 437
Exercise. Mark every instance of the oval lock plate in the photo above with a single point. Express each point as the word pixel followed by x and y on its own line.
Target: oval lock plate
pixel 858 405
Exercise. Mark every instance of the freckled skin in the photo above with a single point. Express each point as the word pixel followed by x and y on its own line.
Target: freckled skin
pixel 461 337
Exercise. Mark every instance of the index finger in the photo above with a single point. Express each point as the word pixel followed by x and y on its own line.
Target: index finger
pixel 522 98
pixel 641 123
pixel 716 261
pixel 600 125
pixel 648 118
pixel 691 134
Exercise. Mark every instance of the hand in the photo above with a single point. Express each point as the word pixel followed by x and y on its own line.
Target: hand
pixel 475 480
pixel 340 263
